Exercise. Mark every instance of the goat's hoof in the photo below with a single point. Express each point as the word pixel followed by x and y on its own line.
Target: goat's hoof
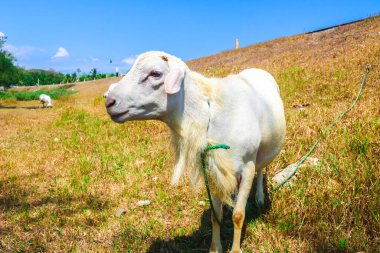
pixel 216 249
pixel 259 203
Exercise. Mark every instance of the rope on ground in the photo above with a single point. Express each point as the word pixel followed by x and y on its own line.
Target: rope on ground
pixel 340 116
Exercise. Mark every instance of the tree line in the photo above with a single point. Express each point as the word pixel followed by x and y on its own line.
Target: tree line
pixel 10 74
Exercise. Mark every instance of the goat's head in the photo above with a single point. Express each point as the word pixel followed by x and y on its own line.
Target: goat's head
pixel 150 90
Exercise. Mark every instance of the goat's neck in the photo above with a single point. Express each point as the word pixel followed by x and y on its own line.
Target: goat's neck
pixel 189 122
pixel 192 109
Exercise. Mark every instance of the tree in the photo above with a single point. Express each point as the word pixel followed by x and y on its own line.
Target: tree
pixel 78 76
pixel 93 73
pixel 10 74
pixel 3 39
pixel 8 71
pixel 73 77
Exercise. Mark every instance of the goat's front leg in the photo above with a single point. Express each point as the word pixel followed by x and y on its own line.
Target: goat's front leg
pixel 239 211
pixel 216 245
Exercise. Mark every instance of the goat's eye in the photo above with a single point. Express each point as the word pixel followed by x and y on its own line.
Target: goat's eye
pixel 155 74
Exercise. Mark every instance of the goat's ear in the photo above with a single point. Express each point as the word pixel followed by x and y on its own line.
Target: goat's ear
pixel 174 79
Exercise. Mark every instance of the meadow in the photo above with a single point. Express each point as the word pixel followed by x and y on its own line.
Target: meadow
pixel 66 171
pixel 34 95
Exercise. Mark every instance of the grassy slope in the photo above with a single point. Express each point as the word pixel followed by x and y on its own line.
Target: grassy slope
pixel 62 196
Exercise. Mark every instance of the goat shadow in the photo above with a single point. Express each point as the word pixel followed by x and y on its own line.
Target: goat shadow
pixel 200 240
pixel 17 196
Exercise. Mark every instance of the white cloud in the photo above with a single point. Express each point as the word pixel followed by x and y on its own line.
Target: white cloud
pixel 62 52
pixel 20 51
pixel 94 59
pixel 90 59
pixel 81 60
pixel 2 34
pixel 129 60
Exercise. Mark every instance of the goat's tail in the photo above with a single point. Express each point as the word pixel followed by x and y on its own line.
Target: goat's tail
pixel 221 174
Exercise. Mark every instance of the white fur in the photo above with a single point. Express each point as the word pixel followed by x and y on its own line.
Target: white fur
pixel 111 87
pixel 45 99
pixel 244 111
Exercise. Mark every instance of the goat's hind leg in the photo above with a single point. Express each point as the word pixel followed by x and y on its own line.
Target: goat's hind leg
pixel 216 245
pixel 239 210
pixel 260 197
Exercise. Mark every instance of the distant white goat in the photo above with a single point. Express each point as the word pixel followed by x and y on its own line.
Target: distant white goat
pixel 45 99
pixel 112 86
pixel 244 111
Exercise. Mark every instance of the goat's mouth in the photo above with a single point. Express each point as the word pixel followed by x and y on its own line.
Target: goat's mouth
pixel 120 116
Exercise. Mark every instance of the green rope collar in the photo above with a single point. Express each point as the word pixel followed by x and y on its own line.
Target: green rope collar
pixel 203 159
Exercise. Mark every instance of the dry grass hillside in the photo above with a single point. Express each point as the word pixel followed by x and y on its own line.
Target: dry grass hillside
pixel 65 171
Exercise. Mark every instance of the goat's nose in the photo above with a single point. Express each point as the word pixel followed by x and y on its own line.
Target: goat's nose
pixel 110 102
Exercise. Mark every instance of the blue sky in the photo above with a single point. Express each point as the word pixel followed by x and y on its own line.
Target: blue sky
pixel 67 35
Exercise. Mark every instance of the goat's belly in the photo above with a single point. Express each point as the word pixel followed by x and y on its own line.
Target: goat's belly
pixel 271 144
pixel 265 157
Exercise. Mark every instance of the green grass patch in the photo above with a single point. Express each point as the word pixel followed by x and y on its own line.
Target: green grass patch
pixel 34 95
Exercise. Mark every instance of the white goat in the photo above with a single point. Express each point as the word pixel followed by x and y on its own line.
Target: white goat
pixel 111 87
pixel 244 111
pixel 45 99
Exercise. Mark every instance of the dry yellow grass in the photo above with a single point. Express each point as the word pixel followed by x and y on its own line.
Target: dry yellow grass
pixel 60 196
